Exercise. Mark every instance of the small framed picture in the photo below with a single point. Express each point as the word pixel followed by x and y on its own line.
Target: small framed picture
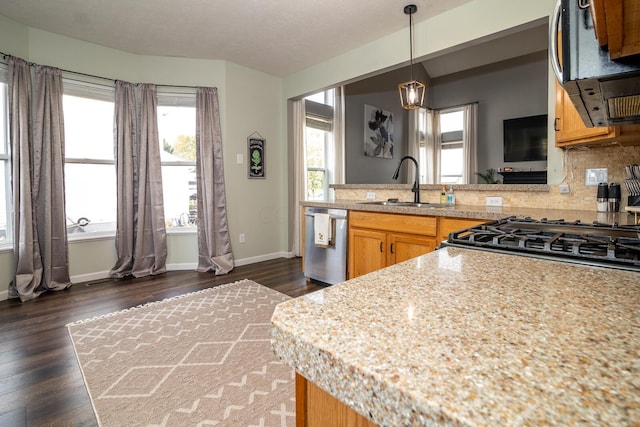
pixel 256 157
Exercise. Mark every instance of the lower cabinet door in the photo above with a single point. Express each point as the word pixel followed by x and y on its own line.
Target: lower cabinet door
pixel 406 246
pixel 367 251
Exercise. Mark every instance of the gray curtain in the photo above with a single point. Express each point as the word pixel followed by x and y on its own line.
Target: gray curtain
pixel 214 245
pixel 125 143
pixel 141 239
pixel 40 233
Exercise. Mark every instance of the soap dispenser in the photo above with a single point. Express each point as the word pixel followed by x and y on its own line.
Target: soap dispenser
pixel 443 196
pixel 451 197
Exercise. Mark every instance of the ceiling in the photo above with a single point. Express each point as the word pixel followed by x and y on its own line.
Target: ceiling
pixel 278 37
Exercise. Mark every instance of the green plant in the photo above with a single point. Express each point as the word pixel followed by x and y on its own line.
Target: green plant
pixel 489 176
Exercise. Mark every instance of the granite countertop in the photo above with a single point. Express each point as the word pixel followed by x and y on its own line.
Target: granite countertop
pixel 481 212
pixel 468 337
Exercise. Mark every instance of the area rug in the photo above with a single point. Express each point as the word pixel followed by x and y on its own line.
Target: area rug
pixel 201 359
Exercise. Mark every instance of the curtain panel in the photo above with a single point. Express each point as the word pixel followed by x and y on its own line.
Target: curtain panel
pixel 299 168
pixel 141 240
pixel 214 244
pixel 470 135
pixel 40 233
pixel 125 155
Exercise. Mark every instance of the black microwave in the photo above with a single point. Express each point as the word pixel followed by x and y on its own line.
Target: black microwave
pixel 605 92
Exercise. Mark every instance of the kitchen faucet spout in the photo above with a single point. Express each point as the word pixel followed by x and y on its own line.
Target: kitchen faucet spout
pixel 416 184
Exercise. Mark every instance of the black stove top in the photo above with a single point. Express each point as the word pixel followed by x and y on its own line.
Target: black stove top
pixel 607 245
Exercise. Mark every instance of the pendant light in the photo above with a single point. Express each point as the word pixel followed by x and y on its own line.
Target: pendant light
pixel 411 92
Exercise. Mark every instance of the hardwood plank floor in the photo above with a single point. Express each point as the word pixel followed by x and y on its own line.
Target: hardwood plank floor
pixel 40 380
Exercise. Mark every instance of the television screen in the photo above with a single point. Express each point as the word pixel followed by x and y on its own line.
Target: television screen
pixel 525 139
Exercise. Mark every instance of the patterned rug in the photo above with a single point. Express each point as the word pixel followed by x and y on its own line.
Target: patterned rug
pixel 200 359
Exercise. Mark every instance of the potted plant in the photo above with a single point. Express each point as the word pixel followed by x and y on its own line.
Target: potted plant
pixel 489 176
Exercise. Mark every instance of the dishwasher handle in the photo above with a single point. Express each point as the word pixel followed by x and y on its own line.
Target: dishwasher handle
pixel 330 216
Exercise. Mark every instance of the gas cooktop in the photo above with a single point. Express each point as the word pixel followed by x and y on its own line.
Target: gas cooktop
pixel 616 246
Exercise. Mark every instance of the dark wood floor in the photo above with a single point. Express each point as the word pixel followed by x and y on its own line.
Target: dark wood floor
pixel 40 381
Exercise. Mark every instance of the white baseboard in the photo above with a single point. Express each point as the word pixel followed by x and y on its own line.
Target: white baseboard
pixel 260 258
pixel 100 275
pixel 90 277
pixel 182 266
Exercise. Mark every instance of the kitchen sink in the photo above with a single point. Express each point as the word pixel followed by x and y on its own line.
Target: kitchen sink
pixel 406 204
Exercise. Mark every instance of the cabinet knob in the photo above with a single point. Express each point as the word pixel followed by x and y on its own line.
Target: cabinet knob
pixel 555 125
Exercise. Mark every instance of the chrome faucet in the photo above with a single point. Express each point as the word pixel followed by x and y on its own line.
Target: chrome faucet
pixel 415 189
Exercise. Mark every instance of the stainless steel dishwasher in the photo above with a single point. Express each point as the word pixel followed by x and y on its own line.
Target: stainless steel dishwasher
pixel 326 264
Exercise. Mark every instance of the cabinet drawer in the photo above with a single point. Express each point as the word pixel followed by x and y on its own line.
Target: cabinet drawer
pixel 412 224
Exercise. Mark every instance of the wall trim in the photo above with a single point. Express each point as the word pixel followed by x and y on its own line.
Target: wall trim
pixel 261 258
pixel 101 275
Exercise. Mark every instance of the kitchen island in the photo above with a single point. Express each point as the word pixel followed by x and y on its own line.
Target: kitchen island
pixel 468 337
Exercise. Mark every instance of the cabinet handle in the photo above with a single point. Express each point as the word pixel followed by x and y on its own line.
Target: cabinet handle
pixel 380 247
pixel 392 248
pixel 555 124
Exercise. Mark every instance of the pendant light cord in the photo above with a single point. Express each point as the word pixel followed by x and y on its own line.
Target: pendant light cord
pixel 411 43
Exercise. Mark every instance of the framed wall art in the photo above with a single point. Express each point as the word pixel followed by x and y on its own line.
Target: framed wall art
pixel 378 132
pixel 256 160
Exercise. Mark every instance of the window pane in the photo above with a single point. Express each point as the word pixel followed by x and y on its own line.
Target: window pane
pixel 3 119
pixel 179 192
pixel 451 121
pixel 177 133
pixel 4 200
pixel 88 128
pixel 90 192
pixel 451 165
pixel 315 185
pixel 315 150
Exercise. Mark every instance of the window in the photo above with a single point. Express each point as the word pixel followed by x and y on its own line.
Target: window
pixel 318 140
pixel 90 175
pixel 177 137
pixel 452 147
pixel 5 167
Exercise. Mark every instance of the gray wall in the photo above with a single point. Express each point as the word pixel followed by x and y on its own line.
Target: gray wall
pixel 360 168
pixel 380 91
pixel 505 90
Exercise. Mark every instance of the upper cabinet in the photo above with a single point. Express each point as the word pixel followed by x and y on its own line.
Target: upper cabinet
pixel 571 131
pixel 616 26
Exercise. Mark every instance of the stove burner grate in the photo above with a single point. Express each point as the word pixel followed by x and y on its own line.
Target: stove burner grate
pixel 600 243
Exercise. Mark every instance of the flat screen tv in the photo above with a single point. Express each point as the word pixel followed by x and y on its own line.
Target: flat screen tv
pixel 525 139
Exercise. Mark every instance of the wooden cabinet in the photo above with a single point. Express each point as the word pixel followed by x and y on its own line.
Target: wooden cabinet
pixel 616 26
pixel 317 408
pixel 448 225
pixel 570 130
pixel 377 240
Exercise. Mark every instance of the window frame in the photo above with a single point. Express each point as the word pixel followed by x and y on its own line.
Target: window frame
pixel 451 140
pixel 5 157
pixel 320 116
pixel 99 90
pixel 174 97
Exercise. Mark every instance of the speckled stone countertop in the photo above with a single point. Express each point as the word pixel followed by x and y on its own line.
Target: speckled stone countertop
pixel 482 212
pixel 468 337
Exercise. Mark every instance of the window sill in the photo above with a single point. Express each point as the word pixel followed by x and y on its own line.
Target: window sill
pixel 6 247
pixel 89 236
pixel 182 230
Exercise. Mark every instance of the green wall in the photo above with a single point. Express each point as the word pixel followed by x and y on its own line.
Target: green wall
pixel 249 101
pixel 254 101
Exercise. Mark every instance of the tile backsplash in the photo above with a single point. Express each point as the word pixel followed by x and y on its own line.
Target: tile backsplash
pixel 576 161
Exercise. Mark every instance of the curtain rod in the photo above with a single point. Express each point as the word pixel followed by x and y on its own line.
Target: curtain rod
pixel 456 106
pixel 6 55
